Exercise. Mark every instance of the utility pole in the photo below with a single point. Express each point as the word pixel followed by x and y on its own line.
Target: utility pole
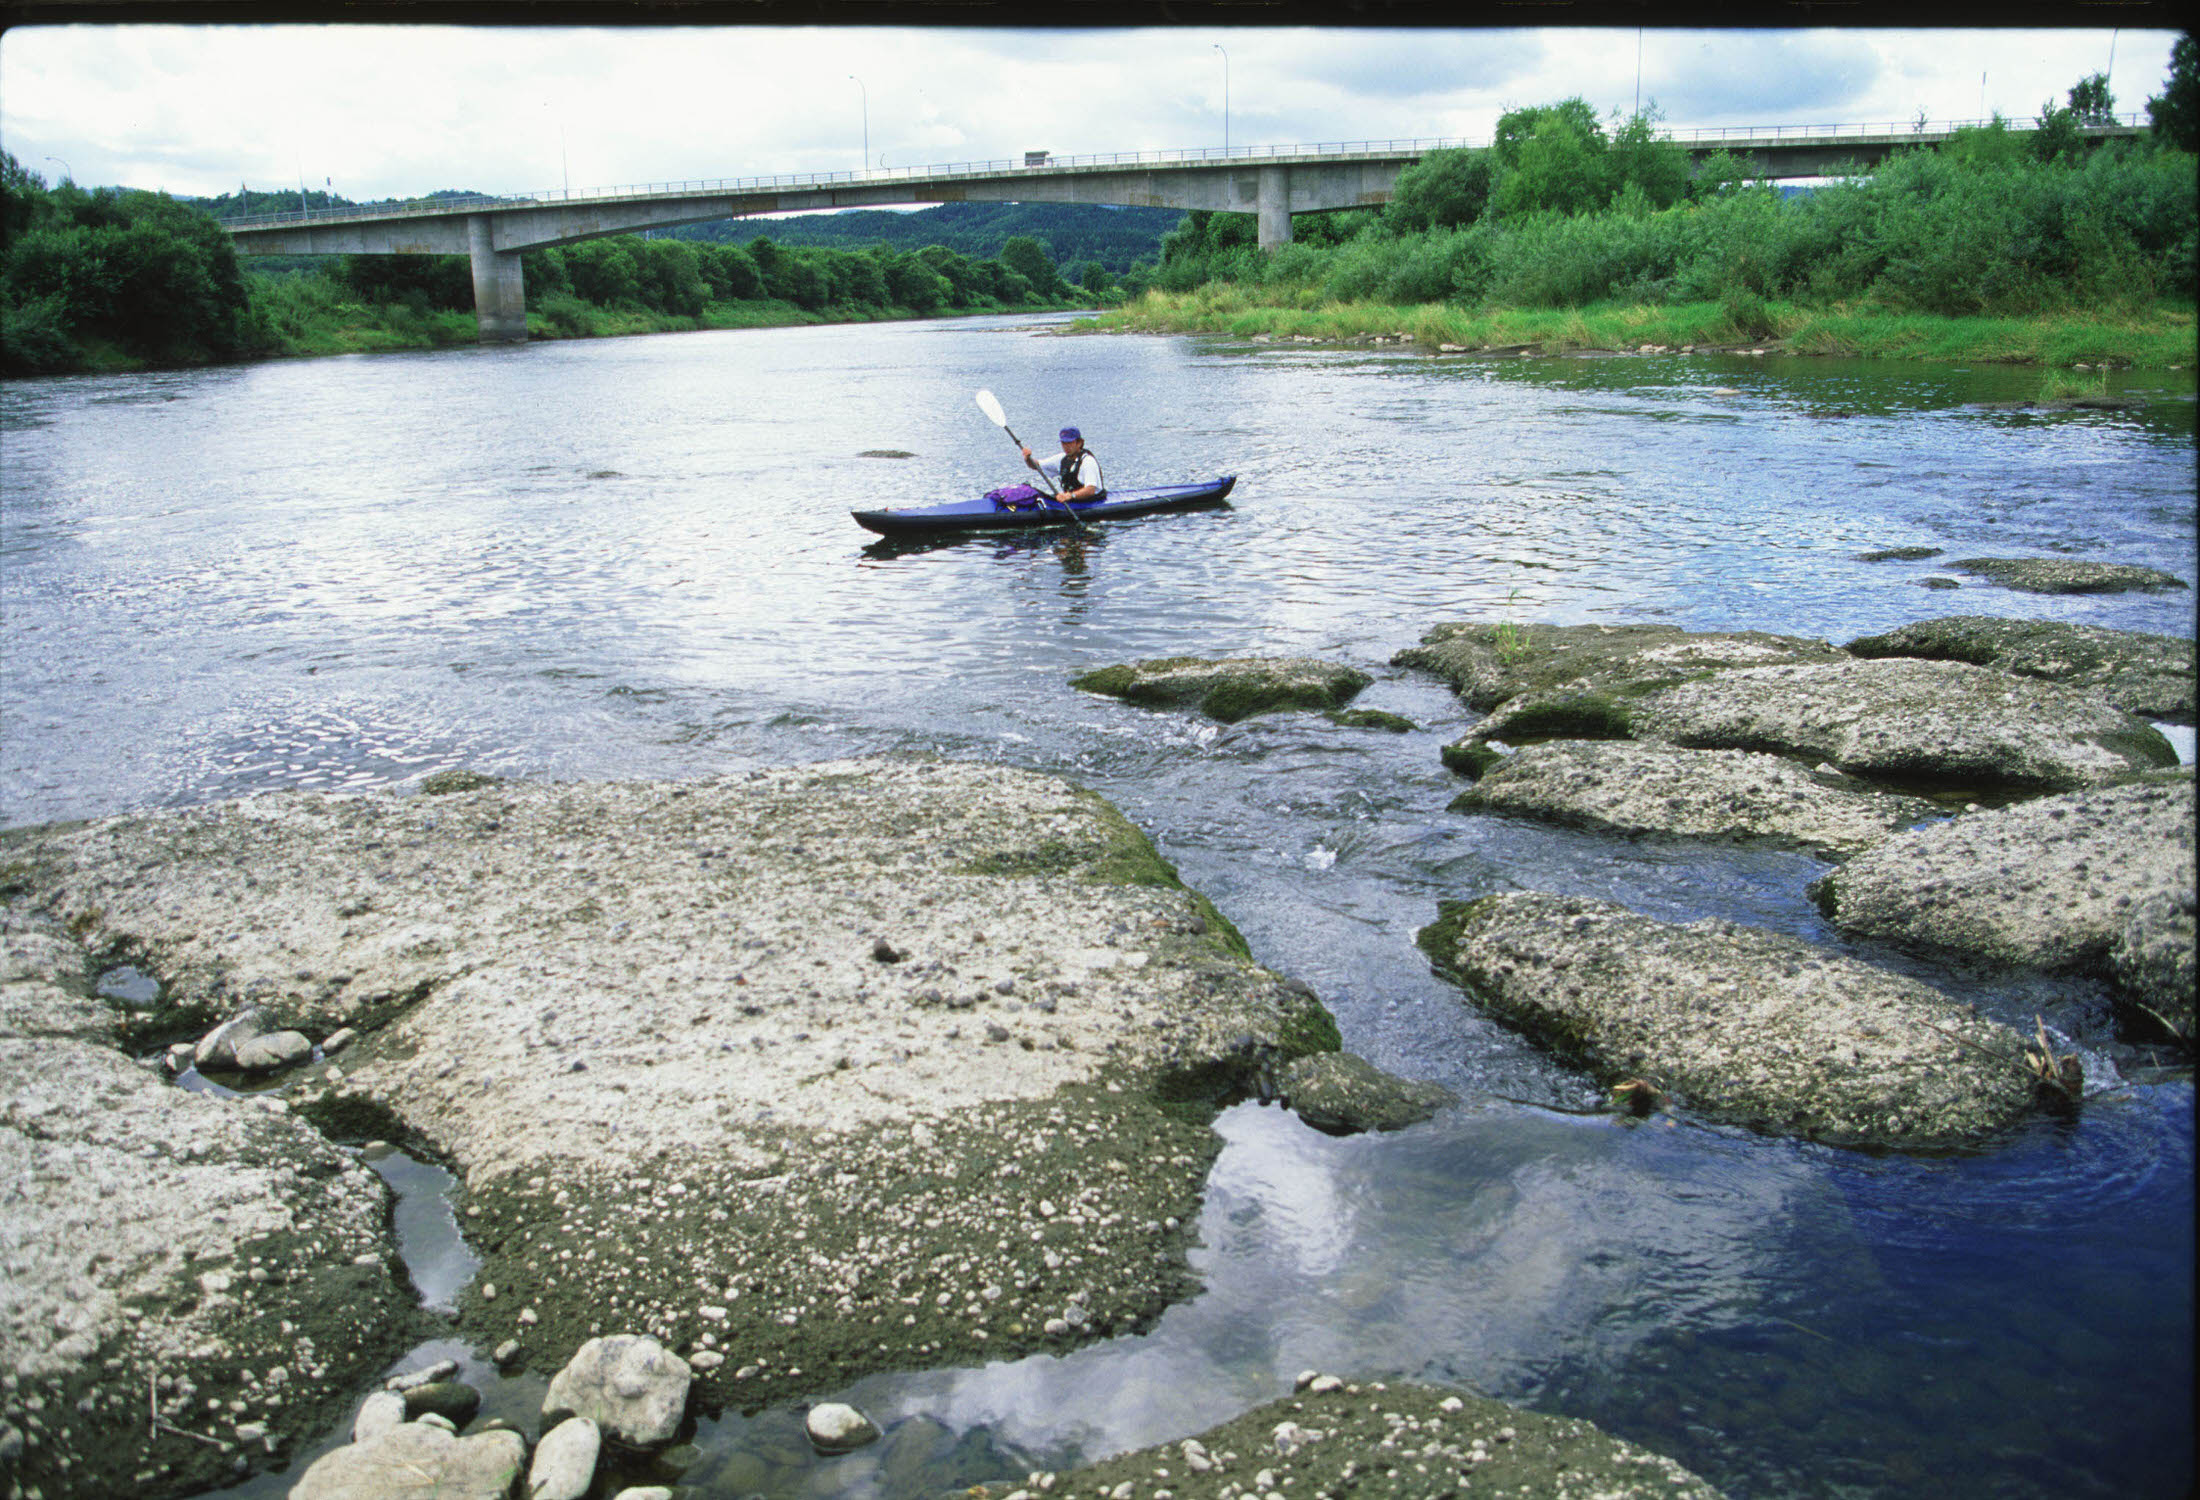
pixel 1225 97
pixel 866 120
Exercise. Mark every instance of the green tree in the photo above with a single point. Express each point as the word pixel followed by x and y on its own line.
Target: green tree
pixel 2057 137
pixel 2174 117
pixel 1639 157
pixel 2091 101
pixel 1096 279
pixel 1516 128
pixel 1723 172
pixel 1442 190
pixel 604 272
pixel 1558 169
pixel 912 283
pixel 1029 259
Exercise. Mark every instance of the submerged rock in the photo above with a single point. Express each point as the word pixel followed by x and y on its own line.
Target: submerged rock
pixel 2149 675
pixel 1340 1094
pixel 416 1459
pixel 1492 663
pixel 2068 883
pixel 836 1427
pixel 652 1010
pixel 162 1245
pixel 2065 575
pixel 1931 722
pixel 1618 787
pixel 1898 554
pixel 1741 1025
pixel 1407 1442
pixel 629 1386
pixel 1228 689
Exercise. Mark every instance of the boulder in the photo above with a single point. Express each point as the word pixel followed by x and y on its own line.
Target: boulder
pixel 272 1052
pixel 564 1464
pixel 378 1414
pixel 2059 883
pixel 1339 1437
pixel 658 1007
pixel 836 1427
pixel 218 1048
pixel 1492 663
pixel 1741 795
pixel 1340 1094
pixel 45 990
pixel 1228 689
pixel 454 1400
pixel 2148 675
pixel 2152 959
pixel 633 1388
pixel 417 1461
pixel 1925 722
pixel 1742 1025
pixel 2065 575
pixel 1898 554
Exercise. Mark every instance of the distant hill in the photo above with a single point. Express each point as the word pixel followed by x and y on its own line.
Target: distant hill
pixel 1073 233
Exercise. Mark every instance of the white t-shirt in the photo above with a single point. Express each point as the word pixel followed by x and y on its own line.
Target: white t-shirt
pixel 1087 473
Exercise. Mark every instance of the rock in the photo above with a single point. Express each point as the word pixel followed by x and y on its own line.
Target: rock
pixel 1371 718
pixel 1228 690
pixel 1898 554
pixel 1491 663
pixel 2064 575
pixel 45 989
pixel 1743 1025
pixel 886 453
pixel 377 1414
pixel 458 779
pixel 711 1001
pixel 2148 675
pixel 1340 1094
pixel 411 1380
pixel 218 1048
pixel 273 1051
pixel 454 1400
pixel 1346 1439
pixel 835 1427
pixel 1937 582
pixel 1932 722
pixel 565 1461
pixel 2152 959
pixel 632 1387
pixel 2052 884
pixel 416 1461
pixel 1617 787
pixel 644 1492
pixel 338 1040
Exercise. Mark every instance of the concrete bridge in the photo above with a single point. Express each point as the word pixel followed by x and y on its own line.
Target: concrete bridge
pixel 1274 182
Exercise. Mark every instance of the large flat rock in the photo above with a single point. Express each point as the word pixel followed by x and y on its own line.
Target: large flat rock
pixel 1730 795
pixel 1228 688
pixel 2150 675
pixel 830 1069
pixel 1933 723
pixel 1399 1441
pixel 2068 575
pixel 2060 883
pixel 1489 663
pixel 213 1257
pixel 1741 1025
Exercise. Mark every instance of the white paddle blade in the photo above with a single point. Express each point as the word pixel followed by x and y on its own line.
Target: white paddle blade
pixel 992 409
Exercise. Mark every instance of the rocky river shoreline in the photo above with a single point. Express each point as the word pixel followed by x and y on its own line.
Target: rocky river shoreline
pixel 787 1077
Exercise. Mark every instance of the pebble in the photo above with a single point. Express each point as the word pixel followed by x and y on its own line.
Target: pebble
pixel 836 1427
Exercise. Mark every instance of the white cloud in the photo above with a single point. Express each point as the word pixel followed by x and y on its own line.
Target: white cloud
pixel 396 110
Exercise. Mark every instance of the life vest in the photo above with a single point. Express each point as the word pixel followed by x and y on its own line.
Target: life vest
pixel 1073 466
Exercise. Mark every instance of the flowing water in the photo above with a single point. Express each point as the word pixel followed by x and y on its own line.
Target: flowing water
pixel 633 558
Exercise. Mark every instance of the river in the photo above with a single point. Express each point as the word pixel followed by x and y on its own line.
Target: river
pixel 633 557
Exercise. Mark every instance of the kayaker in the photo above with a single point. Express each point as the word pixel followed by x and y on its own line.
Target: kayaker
pixel 1077 472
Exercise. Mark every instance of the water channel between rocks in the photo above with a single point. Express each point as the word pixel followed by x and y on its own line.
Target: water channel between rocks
pixel 633 558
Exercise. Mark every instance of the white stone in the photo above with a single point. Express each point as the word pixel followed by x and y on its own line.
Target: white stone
pixel 631 1386
pixel 836 1427
pixel 565 1461
pixel 377 1415
pixel 416 1459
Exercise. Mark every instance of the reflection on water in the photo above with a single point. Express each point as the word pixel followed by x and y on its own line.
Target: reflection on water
pixel 634 558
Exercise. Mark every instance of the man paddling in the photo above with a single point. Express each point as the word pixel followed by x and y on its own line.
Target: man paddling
pixel 1077 472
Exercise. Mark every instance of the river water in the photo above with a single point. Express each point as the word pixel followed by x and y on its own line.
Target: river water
pixel 633 558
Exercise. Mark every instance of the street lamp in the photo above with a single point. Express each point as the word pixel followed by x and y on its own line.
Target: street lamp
pixel 66 174
pixel 1225 96
pixel 866 120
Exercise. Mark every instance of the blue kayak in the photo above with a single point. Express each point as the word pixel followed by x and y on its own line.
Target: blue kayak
pixel 982 515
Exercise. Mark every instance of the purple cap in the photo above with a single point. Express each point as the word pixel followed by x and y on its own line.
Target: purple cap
pixel 1072 435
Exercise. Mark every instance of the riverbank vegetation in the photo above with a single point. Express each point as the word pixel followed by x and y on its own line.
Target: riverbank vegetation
pixel 2005 244
pixel 117 280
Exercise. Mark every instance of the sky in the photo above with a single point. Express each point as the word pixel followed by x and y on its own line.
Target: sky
pixel 382 111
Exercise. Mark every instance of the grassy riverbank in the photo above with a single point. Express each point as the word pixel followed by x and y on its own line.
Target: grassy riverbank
pixel 2160 337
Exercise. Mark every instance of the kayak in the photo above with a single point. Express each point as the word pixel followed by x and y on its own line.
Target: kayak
pixel 982 515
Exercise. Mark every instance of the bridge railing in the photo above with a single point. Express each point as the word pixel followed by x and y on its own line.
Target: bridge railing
pixel 1737 135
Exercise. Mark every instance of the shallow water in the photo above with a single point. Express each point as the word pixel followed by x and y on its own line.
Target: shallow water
pixel 633 557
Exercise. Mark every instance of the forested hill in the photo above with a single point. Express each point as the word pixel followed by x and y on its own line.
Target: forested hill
pixel 1074 233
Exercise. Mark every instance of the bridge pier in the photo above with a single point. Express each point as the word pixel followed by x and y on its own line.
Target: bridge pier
pixel 500 288
pixel 1275 207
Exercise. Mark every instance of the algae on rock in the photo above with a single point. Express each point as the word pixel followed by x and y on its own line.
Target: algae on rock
pixel 1228 689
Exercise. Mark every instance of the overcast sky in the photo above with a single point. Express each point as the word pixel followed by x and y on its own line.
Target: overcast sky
pixel 402 110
